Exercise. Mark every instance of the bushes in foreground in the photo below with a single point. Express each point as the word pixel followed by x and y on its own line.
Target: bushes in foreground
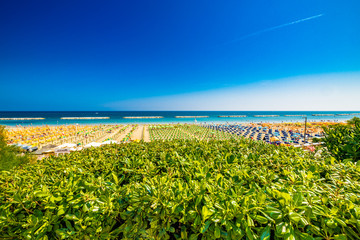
pixel 182 190
pixel 343 141
pixel 9 155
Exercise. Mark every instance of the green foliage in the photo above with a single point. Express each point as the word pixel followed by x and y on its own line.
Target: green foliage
pixel 343 141
pixel 353 121
pixel 182 190
pixel 9 155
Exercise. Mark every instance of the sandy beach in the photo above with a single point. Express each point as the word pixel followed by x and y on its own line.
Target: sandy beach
pixel 289 133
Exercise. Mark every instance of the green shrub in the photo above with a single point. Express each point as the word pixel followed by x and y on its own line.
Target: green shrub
pixel 343 141
pixel 9 155
pixel 353 121
pixel 182 190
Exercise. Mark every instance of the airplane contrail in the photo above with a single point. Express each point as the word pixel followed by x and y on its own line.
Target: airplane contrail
pixel 274 28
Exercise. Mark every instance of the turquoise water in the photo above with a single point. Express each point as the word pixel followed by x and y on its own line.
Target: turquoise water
pixel 116 117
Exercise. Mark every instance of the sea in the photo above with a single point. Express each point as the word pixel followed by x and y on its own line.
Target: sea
pixel 117 117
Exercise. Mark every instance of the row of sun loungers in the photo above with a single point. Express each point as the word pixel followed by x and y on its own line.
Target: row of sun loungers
pixel 265 134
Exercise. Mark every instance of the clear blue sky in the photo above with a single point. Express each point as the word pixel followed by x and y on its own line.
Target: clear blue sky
pixel 134 55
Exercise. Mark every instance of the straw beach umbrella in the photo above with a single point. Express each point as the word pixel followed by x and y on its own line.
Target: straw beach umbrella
pixel 273 139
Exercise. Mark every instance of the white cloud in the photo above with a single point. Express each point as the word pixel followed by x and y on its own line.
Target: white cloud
pixel 332 92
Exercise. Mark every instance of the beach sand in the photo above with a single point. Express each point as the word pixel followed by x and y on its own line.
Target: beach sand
pixel 121 133
pixel 146 136
pixel 137 133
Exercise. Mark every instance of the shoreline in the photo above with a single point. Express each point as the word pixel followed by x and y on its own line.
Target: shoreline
pixel 242 121
pixel 50 118
pixel 245 123
pixel 170 117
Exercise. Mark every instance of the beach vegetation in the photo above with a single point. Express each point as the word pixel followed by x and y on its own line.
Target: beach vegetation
pixel 353 121
pixel 343 140
pixel 183 189
pixel 11 156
